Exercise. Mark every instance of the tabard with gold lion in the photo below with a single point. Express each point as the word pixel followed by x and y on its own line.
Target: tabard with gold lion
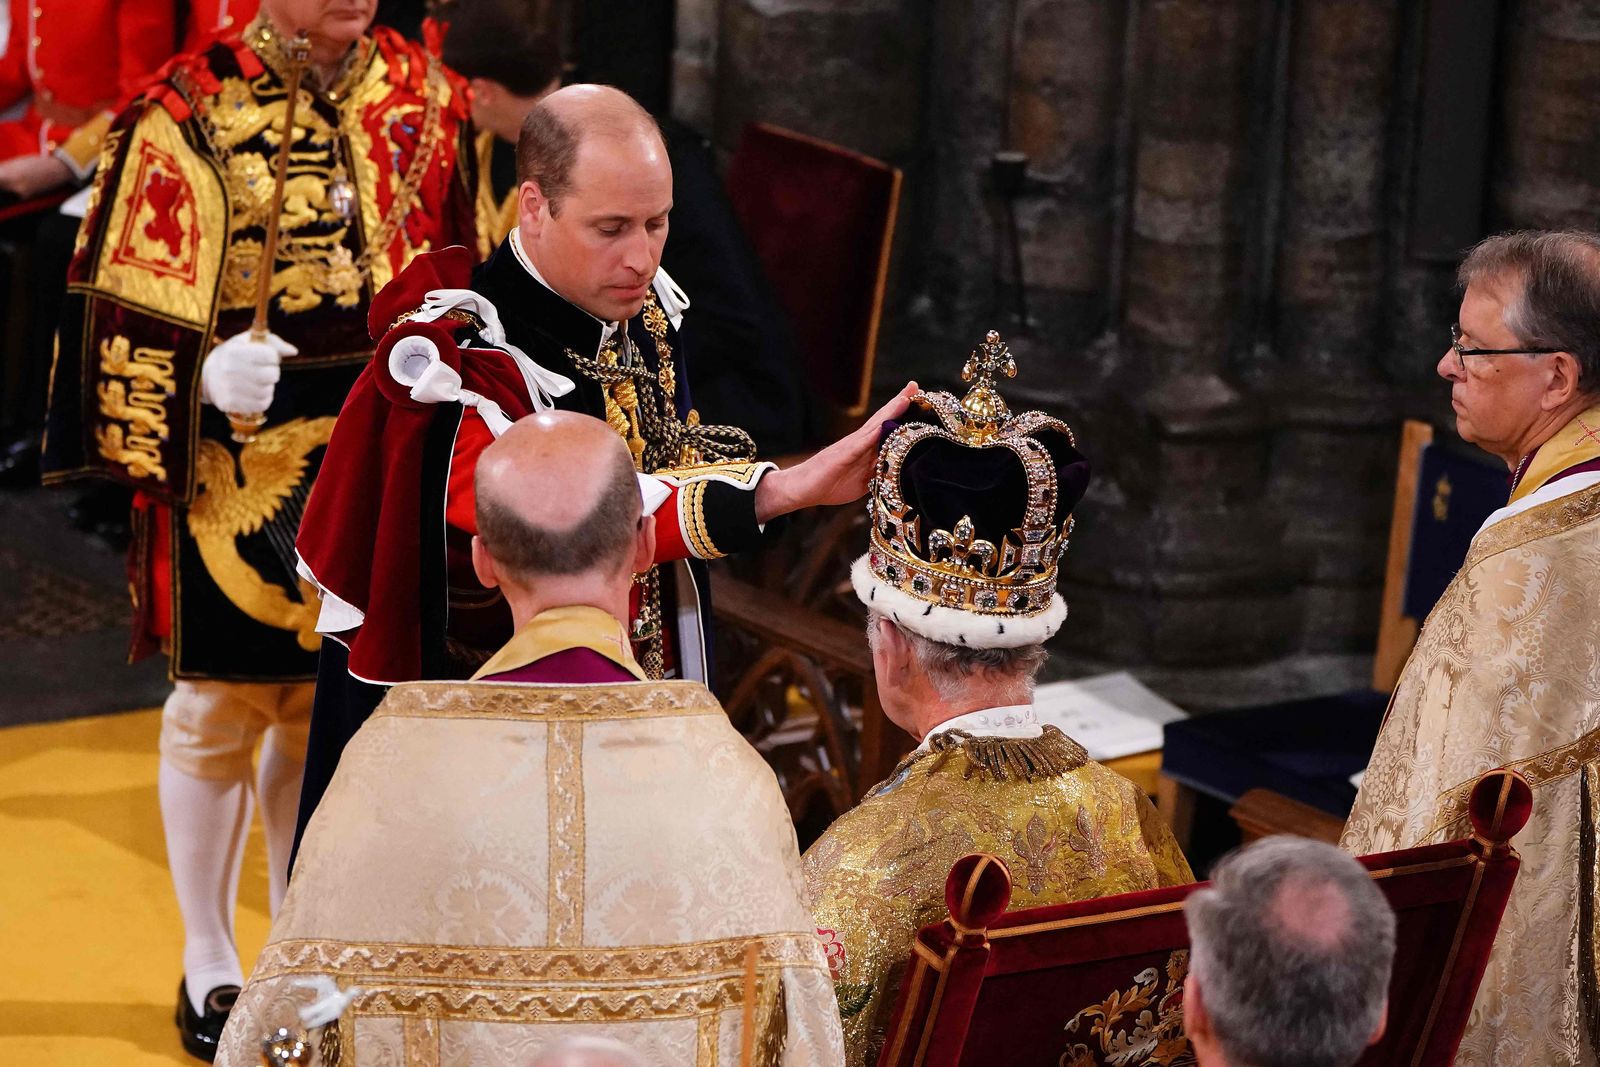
pixel 969 516
pixel 167 266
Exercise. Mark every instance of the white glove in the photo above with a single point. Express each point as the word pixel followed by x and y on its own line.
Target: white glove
pixel 239 373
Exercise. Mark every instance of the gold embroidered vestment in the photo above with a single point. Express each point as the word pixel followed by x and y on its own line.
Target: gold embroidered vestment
pixel 1506 672
pixel 500 866
pixel 1068 829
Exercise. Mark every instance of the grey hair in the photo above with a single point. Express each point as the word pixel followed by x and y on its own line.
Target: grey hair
pixel 1292 946
pixel 950 668
pixel 1558 302
pixel 589 1052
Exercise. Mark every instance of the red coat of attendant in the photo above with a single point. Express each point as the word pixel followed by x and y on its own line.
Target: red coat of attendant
pixel 76 59
pixel 215 18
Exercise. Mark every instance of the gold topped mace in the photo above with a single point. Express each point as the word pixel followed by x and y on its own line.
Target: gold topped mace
pixel 246 423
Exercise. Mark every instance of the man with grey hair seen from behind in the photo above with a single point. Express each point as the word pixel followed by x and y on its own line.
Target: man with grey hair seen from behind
pixel 1290 952
pixel 1504 672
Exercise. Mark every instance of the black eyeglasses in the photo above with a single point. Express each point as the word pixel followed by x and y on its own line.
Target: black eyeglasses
pixel 1462 353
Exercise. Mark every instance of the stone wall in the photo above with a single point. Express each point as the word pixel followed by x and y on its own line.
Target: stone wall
pixel 1229 288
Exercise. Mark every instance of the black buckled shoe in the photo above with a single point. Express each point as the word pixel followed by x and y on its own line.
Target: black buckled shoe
pixel 200 1033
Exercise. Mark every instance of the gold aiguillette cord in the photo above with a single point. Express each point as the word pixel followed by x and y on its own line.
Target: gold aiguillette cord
pixel 246 423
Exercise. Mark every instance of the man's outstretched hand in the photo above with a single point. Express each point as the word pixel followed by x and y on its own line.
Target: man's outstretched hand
pixel 836 475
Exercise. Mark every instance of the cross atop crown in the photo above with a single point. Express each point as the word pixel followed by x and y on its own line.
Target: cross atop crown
pixel 988 359
pixel 984 407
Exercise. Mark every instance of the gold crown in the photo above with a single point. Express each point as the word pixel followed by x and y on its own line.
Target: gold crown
pixel 1013 574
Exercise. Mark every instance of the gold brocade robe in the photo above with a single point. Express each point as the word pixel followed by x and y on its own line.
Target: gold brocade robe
pixel 502 866
pixel 168 265
pixel 496 213
pixel 1506 672
pixel 1069 830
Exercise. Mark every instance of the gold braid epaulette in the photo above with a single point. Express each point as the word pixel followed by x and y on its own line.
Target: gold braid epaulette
pixel 998 759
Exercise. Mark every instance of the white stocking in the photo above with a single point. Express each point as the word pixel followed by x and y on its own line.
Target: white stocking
pixel 278 789
pixel 206 821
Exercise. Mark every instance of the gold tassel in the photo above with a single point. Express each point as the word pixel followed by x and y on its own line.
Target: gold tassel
pixel 1026 759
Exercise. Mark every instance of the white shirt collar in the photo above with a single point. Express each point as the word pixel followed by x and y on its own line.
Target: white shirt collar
pixel 607 329
pixel 1013 720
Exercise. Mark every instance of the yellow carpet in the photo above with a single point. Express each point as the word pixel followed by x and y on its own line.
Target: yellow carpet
pixel 90 940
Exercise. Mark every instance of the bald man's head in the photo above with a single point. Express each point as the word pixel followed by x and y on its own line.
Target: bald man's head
pixel 557 127
pixel 557 495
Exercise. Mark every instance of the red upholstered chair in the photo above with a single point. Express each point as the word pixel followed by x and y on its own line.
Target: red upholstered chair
pixel 821 220
pixel 1100 982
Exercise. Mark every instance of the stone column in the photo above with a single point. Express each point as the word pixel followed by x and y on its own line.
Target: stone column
pixel 1188 554
pixel 847 71
pixel 1065 98
pixel 1335 443
pixel 694 64
pixel 1544 174
pixel 954 209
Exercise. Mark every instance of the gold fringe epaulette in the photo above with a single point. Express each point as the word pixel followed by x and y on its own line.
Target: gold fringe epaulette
pixel 1025 759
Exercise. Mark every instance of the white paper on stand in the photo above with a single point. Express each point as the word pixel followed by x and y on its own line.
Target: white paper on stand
pixel 1110 715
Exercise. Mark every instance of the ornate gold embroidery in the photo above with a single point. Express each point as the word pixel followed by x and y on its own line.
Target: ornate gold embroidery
pixel 878 874
pixel 389 247
pixel 273 468
pixel 1141 1025
pixel 1026 759
pixel 168 224
pixel 1036 845
pixel 97 188
pixel 732 473
pixel 139 453
pixel 664 1001
pixel 564 782
pixel 1536 523
pixel 313 259
pixel 1540 770
pixel 706 1034
pixel 692 513
pixel 135 386
pixel 375 962
pixel 495 217
pixel 695 980
pixel 149 369
pixel 500 700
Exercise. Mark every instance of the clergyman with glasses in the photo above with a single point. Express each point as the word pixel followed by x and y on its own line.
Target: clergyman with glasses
pixel 1506 671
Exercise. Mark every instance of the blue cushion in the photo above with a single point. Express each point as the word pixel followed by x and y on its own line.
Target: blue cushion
pixel 1456 491
pixel 1305 749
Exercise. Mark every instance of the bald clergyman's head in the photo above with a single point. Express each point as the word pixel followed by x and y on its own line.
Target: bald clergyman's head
pixel 557 495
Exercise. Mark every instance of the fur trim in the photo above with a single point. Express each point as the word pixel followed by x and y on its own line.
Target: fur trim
pixel 954 626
